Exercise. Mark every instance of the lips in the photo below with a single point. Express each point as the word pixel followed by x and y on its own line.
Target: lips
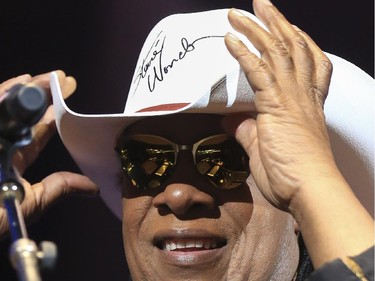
pixel 188 248
pixel 184 241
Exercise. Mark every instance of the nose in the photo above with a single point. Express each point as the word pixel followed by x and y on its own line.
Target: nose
pixel 186 190
pixel 180 198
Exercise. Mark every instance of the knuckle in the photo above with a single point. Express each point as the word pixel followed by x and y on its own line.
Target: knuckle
pixel 243 57
pixel 252 64
pixel 258 66
pixel 301 43
pixel 259 75
pixel 273 18
pixel 318 97
pixel 326 65
pixel 277 48
pixel 61 181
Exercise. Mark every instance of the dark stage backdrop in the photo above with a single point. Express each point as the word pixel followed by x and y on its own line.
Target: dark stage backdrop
pixel 98 43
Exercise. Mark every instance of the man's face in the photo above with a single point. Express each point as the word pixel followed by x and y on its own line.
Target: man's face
pixel 189 230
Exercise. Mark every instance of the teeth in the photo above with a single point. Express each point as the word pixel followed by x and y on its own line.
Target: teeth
pixel 199 244
pixel 188 244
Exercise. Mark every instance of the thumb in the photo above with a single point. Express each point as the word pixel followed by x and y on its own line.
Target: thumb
pixel 40 196
pixel 243 128
pixel 61 184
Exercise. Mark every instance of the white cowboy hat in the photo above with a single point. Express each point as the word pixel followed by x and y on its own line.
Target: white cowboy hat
pixel 184 66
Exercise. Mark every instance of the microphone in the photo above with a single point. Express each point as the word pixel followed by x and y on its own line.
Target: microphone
pixel 21 107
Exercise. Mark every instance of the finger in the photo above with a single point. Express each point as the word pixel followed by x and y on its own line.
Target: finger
pixel 242 127
pixel 67 83
pixel 312 67
pixel 323 66
pixel 272 51
pixel 295 44
pixel 257 71
pixel 260 77
pixel 42 80
pixel 230 123
pixel 69 86
pixel 45 128
pixel 40 196
pixel 6 85
pixel 275 21
pixel 61 184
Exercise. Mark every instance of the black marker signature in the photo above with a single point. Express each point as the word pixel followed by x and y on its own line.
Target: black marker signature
pixel 152 67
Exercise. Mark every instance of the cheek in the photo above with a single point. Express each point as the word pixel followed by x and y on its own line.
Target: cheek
pixel 276 253
pixel 277 240
pixel 238 206
pixel 272 224
pixel 134 211
pixel 239 214
pixel 267 248
pixel 134 227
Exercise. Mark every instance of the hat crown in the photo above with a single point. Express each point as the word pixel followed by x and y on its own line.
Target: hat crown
pixel 179 51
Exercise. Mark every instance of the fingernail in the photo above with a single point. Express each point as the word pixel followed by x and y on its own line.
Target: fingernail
pixel 236 12
pixel 233 38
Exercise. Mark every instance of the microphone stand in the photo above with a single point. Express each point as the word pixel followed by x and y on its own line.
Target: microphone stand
pixel 24 254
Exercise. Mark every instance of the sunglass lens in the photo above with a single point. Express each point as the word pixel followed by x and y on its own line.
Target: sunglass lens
pixel 223 161
pixel 147 160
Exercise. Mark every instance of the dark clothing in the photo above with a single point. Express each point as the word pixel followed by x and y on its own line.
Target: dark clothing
pixel 337 270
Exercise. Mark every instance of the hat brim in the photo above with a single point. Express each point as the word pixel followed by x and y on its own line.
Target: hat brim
pixel 349 111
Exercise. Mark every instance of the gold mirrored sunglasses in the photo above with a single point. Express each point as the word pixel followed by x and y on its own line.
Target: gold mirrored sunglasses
pixel 148 160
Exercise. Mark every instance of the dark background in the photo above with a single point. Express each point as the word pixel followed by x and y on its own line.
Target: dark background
pixel 98 43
